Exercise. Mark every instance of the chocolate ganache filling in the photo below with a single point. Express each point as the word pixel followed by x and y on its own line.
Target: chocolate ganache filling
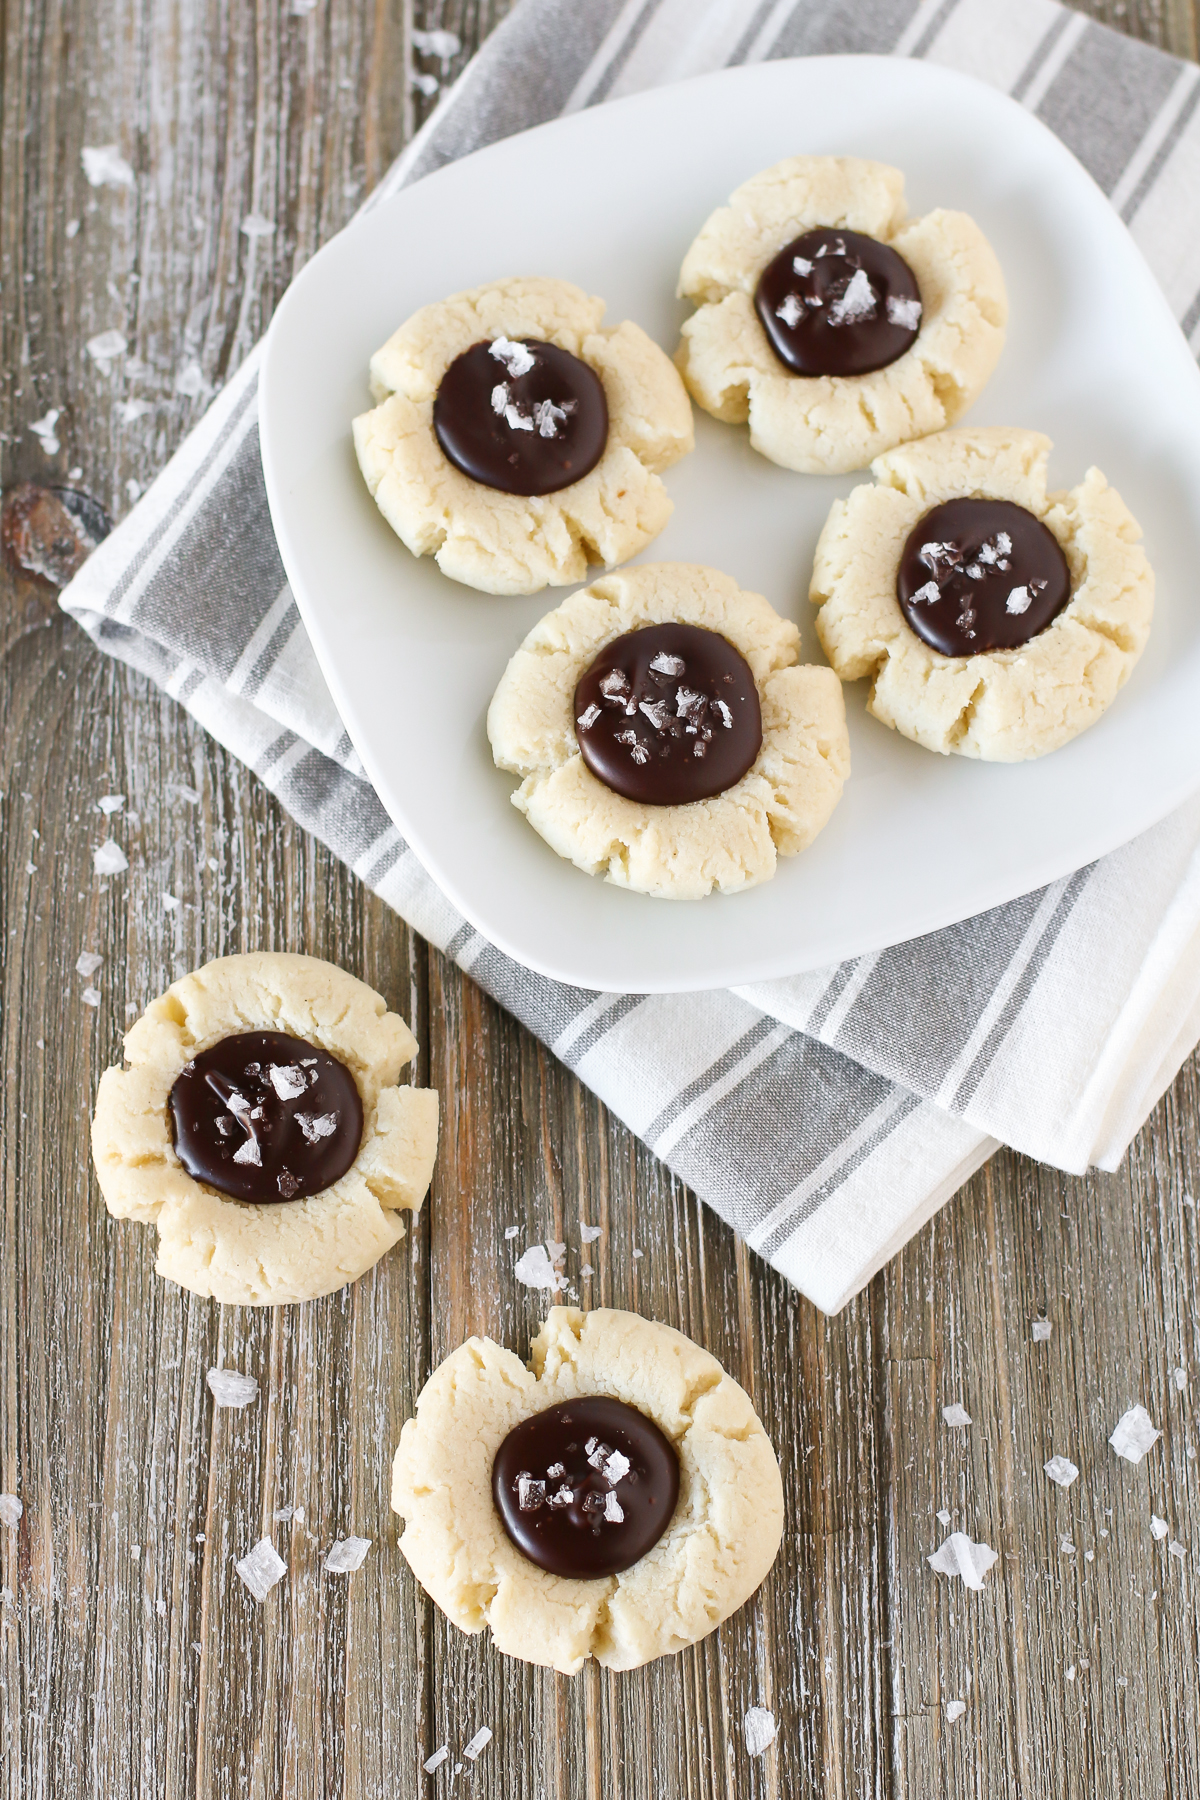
pixel 980 575
pixel 266 1117
pixel 586 1487
pixel 668 714
pixel 526 418
pixel 838 303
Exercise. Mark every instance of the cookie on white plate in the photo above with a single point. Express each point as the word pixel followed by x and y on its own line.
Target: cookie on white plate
pixel 991 618
pixel 617 1498
pixel 258 1124
pixel 833 323
pixel 516 440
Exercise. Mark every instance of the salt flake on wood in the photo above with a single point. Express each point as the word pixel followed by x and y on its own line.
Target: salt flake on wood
pixel 1134 1434
pixel 104 166
pixel 254 225
pixel 511 1231
pixel 589 1233
pixel 43 430
pixel 261 1568
pixel 1061 1470
pixel 759 1727
pixel 959 1556
pixel 10 1510
pixel 228 1388
pixel 437 1759
pixel 1158 1527
pixel 108 858
pixel 943 1518
pixel 956 1415
pixel 536 1270
pixel 955 1710
pixel 105 345
pixel 347 1555
pixel 170 902
pixel 443 44
pixel 1040 1330
pixel 1175 1548
pixel 110 803
pixel 87 962
pixel 90 996
pixel 480 1741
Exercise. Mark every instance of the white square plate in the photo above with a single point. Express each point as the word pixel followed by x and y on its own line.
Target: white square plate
pixel 610 198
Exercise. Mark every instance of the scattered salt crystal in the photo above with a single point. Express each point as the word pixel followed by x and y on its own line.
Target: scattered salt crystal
pixel 72 228
pixel 261 1568
pixel 1018 600
pixel 254 225
pixel 512 1231
pixel 1134 1434
pixel 133 489
pixel 108 858
pixel 790 310
pixel 638 1254
pixel 956 1415
pixel 726 714
pixel 856 302
pixel 586 1269
pixel 929 592
pixel 1003 542
pixel 515 357
pixel 954 1708
pixel 615 1467
pixel 589 1233
pixel 282 1514
pixel 90 996
pixel 1041 1329
pixel 1070 1671
pixel 1175 1548
pixel 536 1270
pixel 170 902
pixel 249 1154
pixel 959 1556
pixel 1180 1379
pixel 548 418
pixel 943 1517
pixel 442 44
pixel 110 803
pixel 614 684
pixel 802 265
pixel 614 1512
pixel 316 1126
pixel 190 380
pixel 1188 1201
pixel 500 397
pixel 903 312
pixel 588 718
pixel 347 1555
pixel 516 420
pixel 105 345
pixel 87 962
pixel 228 1388
pixel 288 1081
pixel 1158 1527
pixel 10 1509
pixel 436 1760
pixel 104 166
pixel 759 1727
pixel 129 410
pixel 43 430
pixel 1061 1470
pixel 478 1743
pixel 1066 1546
pixel 1089 1556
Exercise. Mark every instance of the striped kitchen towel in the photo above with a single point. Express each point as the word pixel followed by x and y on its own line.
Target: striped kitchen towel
pixel 825 1117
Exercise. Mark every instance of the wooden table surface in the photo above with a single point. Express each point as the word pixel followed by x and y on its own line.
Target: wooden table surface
pixel 132 1660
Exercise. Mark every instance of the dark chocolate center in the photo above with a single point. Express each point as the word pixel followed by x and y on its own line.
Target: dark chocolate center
pixel 838 303
pixel 980 575
pixel 587 1487
pixel 668 714
pixel 266 1117
pixel 527 418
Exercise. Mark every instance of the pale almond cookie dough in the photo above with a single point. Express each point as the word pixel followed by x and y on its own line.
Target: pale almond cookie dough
pixel 510 543
pixel 833 423
pixel 251 1254
pixel 718 1547
pixel 1003 705
pixel 729 842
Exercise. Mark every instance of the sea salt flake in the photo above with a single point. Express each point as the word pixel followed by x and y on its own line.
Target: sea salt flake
pixel 104 166
pixel 616 1467
pixel 511 1231
pixel 346 1555
pixel 956 1415
pixel 105 345
pixel 598 1452
pixel 1040 1330
pixel 1019 600
pixel 906 313
pixel 1158 1527
pixel 170 902
pixel 480 1741
pixel 531 1494
pixel 929 592
pixel 515 357
pixel 562 1496
pixel 249 1154
pixel 287 1183
pixel 856 302
pixel 425 83
pixel 316 1126
pixel 255 225
pixel 1176 1549
pixel 536 1270
pixel 586 1269
pixel 1003 543
pixel 940 556
pixel 801 265
pixel 228 1388
pixel 556 1252
pixel 1070 1671
pixel 43 430
pixel 614 1512
pixel 1061 1470
pixel 1180 1379
pixel 288 1081
pixel 955 1710
pixel 110 803
pixel 589 1233
pixel 614 685
pixel 943 1518
pixel 436 1760
pixel 959 1556
pixel 87 962
pixel 722 707
pixel 10 1510
pixel 516 420
pixel 656 711
pixel 500 397
pixel 90 996
pixel 689 705
pixel 442 44
pixel 1066 1546
pixel 261 1568
pixel 555 1470
pixel 790 310
pixel 759 1727
pixel 548 418
pixel 587 719
pixel 108 858
pixel 1134 1434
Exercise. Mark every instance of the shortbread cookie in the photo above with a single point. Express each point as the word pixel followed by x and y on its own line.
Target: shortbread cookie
pixel 832 322
pixel 516 441
pixel 666 737
pixel 992 619
pixel 257 1123
pixel 618 1498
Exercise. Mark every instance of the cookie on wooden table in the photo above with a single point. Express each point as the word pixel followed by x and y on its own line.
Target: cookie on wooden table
pixel 258 1124
pixel 833 323
pixel 617 1498
pixel 516 440
pixel 666 736
pixel 992 619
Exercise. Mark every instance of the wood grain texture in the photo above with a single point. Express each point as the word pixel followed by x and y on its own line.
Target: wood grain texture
pixel 132 1661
